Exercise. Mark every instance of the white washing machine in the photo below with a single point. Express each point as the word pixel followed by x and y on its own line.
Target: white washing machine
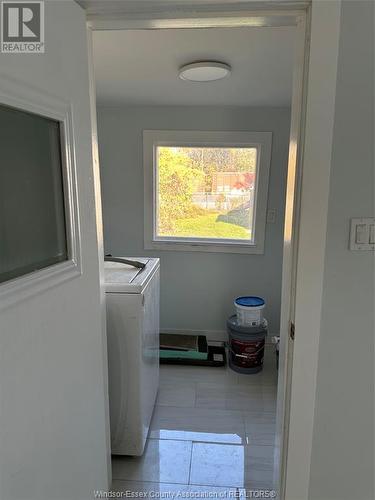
pixel 132 297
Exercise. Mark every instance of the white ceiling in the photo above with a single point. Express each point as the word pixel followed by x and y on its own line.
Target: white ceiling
pixel 140 67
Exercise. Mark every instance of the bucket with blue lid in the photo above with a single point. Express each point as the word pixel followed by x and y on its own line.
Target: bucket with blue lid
pixel 249 310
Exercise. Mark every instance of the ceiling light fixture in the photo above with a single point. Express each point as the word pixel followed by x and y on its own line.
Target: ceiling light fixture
pixel 204 71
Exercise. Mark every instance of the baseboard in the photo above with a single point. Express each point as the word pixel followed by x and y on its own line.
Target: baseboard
pixel 211 335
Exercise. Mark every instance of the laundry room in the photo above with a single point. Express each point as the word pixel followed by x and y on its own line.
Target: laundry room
pixel 193 134
pixel 187 243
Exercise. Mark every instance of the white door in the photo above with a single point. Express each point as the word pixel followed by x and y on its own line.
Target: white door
pixel 53 392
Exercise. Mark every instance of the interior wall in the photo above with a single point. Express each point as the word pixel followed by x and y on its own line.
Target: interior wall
pixel 197 288
pixel 343 447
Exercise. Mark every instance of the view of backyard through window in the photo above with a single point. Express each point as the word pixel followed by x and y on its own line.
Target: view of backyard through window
pixel 206 192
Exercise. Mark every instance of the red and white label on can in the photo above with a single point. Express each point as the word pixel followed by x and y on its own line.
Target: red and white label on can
pixel 247 354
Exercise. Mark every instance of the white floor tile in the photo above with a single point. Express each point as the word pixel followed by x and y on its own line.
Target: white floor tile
pixel 162 461
pixel 260 417
pixel 231 465
pixel 198 424
pixel 176 374
pixel 260 433
pixel 167 490
pixel 259 466
pixel 149 488
pixel 212 492
pixel 263 378
pixel 260 452
pixel 236 397
pixel 181 395
pixel 218 465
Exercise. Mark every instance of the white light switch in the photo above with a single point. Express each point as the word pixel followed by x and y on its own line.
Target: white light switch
pixel 362 233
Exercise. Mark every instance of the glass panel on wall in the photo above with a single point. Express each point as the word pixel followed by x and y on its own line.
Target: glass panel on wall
pixel 32 213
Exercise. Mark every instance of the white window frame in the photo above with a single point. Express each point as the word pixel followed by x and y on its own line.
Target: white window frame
pixel 262 141
pixel 18 96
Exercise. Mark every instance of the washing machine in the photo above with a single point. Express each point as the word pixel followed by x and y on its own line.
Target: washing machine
pixel 132 302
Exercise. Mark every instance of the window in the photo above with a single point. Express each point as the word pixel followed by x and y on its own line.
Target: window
pixel 206 190
pixel 32 215
pixel 39 226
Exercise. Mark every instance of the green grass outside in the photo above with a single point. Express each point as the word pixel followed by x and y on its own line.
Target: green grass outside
pixel 206 226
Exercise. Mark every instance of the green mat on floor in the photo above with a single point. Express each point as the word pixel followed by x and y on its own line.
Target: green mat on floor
pixel 173 346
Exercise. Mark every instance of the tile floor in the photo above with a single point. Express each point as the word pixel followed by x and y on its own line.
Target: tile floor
pixel 212 431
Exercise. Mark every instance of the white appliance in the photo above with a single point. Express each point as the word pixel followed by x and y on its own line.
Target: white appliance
pixel 132 297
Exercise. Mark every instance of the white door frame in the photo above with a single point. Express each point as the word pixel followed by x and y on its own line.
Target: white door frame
pixel 100 239
pixel 313 105
pixel 307 290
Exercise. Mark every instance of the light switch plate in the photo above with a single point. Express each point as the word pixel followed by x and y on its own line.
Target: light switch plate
pixel 362 233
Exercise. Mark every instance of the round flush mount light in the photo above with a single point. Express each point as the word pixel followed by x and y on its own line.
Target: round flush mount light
pixel 204 71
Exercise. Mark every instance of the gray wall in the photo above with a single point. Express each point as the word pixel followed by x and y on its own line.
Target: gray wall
pixel 343 443
pixel 53 366
pixel 197 288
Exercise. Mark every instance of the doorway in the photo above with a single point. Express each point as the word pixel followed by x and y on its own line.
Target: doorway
pixel 287 287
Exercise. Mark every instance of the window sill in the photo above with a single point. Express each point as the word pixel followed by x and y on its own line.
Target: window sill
pixel 200 246
pixel 37 282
